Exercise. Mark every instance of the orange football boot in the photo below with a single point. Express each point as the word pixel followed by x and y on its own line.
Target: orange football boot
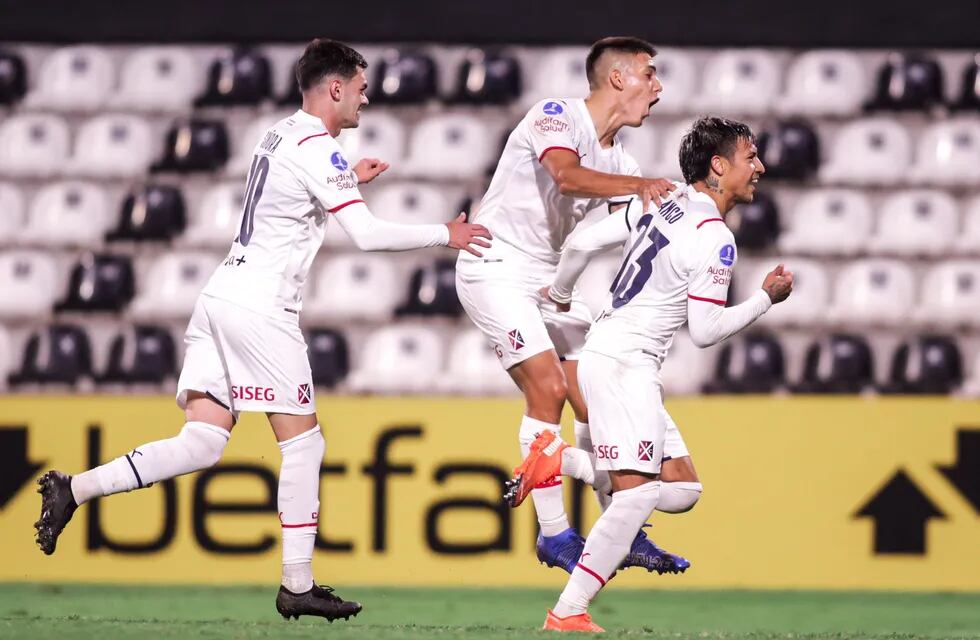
pixel 541 466
pixel 582 622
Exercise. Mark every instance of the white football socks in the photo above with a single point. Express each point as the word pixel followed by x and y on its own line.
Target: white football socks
pixel 299 506
pixel 678 497
pixel 607 546
pixel 549 503
pixel 198 446
pixel 601 484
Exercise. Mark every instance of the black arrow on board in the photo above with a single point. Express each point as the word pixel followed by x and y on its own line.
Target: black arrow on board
pixel 901 512
pixel 15 469
pixel 965 474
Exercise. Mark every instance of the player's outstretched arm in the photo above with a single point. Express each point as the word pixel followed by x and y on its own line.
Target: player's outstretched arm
pixel 575 180
pixel 373 234
pixel 582 246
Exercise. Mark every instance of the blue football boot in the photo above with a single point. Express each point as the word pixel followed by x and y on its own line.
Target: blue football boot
pixel 562 550
pixel 644 553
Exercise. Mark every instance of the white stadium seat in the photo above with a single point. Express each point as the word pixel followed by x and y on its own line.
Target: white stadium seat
pixel 877 292
pixel 356 286
pixel 679 75
pixel 869 152
pixel 824 83
pixel 968 240
pixel 113 146
pixel 12 213
pixel 557 73
pixel 219 217
pixel 686 367
pixel 412 203
pixel 948 154
pixel 668 162
pixel 453 145
pixel 380 135
pixel 916 223
pixel 829 222
pixel 399 359
pixel 33 145
pixel 474 367
pixel 73 79
pixel 245 144
pixel 159 79
pixel 950 295
pixel 971 387
pixel 641 143
pixel 68 214
pixel 29 281
pixel 740 81
pixel 172 285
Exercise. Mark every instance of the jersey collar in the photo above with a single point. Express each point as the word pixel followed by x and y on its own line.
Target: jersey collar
pixel 309 118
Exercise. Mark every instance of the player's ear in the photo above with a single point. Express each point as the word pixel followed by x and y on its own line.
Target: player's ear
pixel 335 86
pixel 616 77
pixel 719 164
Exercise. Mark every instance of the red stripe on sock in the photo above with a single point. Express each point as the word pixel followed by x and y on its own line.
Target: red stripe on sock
pixel 298 526
pixel 591 573
pixel 547 484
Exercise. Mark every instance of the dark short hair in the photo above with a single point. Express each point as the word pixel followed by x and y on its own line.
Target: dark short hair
pixel 616 44
pixel 709 136
pixel 324 57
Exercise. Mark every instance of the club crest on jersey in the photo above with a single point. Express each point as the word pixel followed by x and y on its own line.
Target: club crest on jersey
pixel 516 339
pixel 727 255
pixel 338 161
pixel 552 108
pixel 645 450
pixel 303 394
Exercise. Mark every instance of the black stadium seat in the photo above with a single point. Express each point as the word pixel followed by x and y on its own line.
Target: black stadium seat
pixel 195 145
pixel 145 354
pixel 487 77
pixel 908 82
pixel 404 78
pixel 432 291
pixel 240 78
pixel 99 282
pixel 59 354
pixel 151 212
pixel 970 90
pixel 13 77
pixel 329 357
pixel 749 364
pixel 755 224
pixel 790 150
pixel 293 96
pixel 930 364
pixel 840 364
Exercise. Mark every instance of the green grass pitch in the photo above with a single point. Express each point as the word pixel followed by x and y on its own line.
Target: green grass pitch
pixel 77 612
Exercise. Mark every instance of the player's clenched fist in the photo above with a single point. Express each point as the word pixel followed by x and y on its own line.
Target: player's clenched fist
pixel 462 235
pixel 369 168
pixel 778 284
pixel 653 189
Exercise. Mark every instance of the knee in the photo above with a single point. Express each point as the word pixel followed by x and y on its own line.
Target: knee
pixel 679 497
pixel 549 390
pixel 204 443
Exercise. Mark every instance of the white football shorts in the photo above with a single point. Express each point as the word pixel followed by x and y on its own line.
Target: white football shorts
pixel 245 360
pixel 501 298
pixel 630 428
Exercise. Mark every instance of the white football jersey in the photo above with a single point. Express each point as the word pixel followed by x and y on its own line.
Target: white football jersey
pixel 298 175
pixel 682 251
pixel 523 207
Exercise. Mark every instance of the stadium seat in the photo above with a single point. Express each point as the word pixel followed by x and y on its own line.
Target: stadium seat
pixel 598 278
pixel 948 154
pixel 142 354
pixel 869 151
pixel 99 282
pixel 73 79
pixel 950 295
pixel 113 146
pixel 381 135
pixel 558 72
pixel 686 367
pixel 841 363
pixel 151 212
pixel 412 203
pixel 218 217
pixel 432 291
pixel 828 222
pixel 399 359
pixel 474 368
pixel 789 150
pixel 807 306
pixel 329 357
pixel 12 213
pixel 33 145
pixel 29 281
pixel 740 82
pixel 159 79
pixel 755 224
pixel 679 75
pixel 668 165
pixel 342 283
pixel 824 83
pixel 488 77
pixel 450 146
pixel 908 82
pixel 239 77
pixel 61 353
pixel 968 240
pixel 6 358
pixel 70 214
pixel 172 286
pixel 404 77
pixel 245 145
pixel 969 98
pixel 195 145
pixel 13 77
pixel 293 97
pixel 877 292
pixel 930 364
pixel 971 388
pixel 641 143
pixel 748 364
pixel 916 223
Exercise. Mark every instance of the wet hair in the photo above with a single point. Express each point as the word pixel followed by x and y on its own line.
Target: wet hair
pixel 616 44
pixel 708 137
pixel 324 57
